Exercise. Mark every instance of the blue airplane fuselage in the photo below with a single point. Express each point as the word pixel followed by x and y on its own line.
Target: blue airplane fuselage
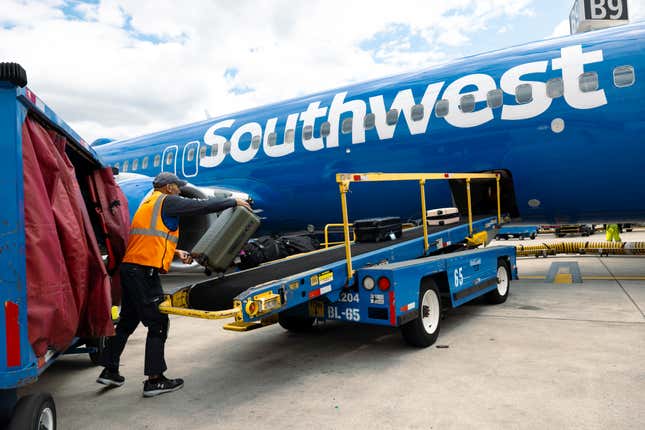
pixel 574 149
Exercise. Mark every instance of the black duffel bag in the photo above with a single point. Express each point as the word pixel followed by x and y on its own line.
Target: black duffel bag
pixel 299 244
pixel 261 250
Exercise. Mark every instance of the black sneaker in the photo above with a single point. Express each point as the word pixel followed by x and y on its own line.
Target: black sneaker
pixel 161 385
pixel 110 378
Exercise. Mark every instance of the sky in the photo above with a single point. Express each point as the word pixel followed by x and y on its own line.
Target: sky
pixel 122 68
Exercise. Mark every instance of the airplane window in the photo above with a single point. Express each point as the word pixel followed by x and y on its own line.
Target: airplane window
pixel 202 152
pixel 495 98
pixel 144 163
pixel 157 160
pixel 125 166
pixel 554 88
pixel 307 132
pixel 272 138
pixel 290 136
pixel 135 164
pixel 169 158
pixel 416 112
pixel 347 126
pixel 441 108
pixel 255 141
pixel 524 93
pixel 467 103
pixel 214 150
pixel 325 128
pixel 191 154
pixel 624 76
pixel 370 121
pixel 392 117
pixel 588 82
pixel 227 147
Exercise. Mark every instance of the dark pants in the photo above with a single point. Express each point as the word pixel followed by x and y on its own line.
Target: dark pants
pixel 141 296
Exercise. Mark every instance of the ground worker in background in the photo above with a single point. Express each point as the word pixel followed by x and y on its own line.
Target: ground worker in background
pixel 612 233
pixel 151 247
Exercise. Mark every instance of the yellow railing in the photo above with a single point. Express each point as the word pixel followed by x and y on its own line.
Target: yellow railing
pixel 326 232
pixel 344 179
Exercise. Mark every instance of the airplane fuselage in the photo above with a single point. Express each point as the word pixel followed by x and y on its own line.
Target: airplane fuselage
pixel 562 116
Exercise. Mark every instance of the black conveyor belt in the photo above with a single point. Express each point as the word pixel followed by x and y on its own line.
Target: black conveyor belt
pixel 218 293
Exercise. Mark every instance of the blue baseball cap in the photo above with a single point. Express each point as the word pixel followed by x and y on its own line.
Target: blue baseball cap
pixel 165 178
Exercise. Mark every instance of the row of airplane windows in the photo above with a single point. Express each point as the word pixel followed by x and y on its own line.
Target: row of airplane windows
pixel 624 76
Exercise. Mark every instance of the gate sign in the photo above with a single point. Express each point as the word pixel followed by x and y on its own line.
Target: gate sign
pixel 587 15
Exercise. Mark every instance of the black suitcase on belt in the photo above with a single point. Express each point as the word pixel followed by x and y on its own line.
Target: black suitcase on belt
pixel 223 241
pixel 377 229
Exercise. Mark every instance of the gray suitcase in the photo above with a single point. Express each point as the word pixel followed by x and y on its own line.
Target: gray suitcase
pixel 223 241
pixel 443 216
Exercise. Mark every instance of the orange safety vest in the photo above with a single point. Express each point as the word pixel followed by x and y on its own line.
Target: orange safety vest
pixel 151 243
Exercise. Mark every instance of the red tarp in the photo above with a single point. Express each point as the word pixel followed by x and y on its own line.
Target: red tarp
pixel 112 209
pixel 68 289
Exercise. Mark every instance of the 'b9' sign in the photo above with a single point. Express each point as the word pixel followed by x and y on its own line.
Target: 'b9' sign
pixel 589 15
pixel 606 9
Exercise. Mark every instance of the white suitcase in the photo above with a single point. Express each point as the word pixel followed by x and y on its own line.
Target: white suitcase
pixel 443 216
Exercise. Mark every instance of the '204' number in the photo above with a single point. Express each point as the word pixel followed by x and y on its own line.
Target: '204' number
pixel 459 277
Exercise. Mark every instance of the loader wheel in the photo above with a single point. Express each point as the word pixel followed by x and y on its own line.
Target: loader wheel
pixel 500 294
pixel 296 324
pixel 532 236
pixel 424 330
pixel 34 412
pixel 99 343
pixel 14 73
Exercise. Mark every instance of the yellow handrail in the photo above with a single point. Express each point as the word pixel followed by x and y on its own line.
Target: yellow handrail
pixel 326 232
pixel 344 179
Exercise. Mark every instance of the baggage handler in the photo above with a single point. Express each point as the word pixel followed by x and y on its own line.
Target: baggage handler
pixel 151 247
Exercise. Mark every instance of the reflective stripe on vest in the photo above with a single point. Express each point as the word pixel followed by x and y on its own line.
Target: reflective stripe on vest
pixel 151 243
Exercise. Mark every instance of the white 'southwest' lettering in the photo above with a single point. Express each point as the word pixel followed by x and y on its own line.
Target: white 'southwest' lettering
pixel 572 62
pixel 511 80
pixel 456 116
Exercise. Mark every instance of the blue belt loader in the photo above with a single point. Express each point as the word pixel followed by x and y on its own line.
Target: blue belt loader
pixel 407 283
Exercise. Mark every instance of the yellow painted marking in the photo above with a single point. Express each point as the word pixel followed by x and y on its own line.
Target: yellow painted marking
pixel 563 278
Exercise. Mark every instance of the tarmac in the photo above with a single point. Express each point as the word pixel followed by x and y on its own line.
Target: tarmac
pixel 554 356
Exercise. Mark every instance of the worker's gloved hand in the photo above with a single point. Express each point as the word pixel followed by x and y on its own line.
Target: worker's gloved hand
pixel 184 256
pixel 244 203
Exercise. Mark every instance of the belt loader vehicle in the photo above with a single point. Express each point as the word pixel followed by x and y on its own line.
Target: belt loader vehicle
pixel 406 282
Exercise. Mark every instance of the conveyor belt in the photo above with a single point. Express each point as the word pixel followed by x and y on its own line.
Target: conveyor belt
pixel 218 293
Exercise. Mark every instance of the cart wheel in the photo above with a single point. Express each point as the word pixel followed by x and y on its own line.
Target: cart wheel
pixel 99 343
pixel 294 323
pixel 532 236
pixel 34 412
pixel 13 73
pixel 424 330
pixel 499 294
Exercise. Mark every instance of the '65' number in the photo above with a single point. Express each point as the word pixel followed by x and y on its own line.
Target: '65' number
pixel 459 277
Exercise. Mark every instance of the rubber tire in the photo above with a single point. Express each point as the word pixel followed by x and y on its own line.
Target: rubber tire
pixel 14 73
pixel 413 332
pixel 494 297
pixel 28 410
pixel 532 236
pixel 100 343
pixel 296 324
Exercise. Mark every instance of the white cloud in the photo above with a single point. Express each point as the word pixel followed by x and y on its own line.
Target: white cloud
pixel 135 66
pixel 562 29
